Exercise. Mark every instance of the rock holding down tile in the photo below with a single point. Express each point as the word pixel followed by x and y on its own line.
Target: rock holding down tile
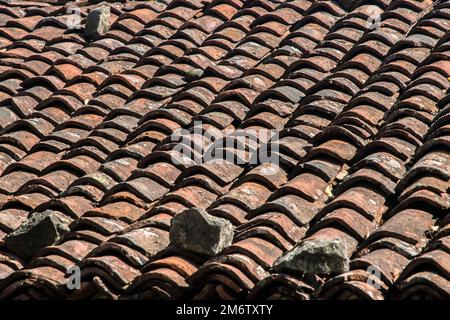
pixel 320 257
pixel 194 74
pixel 197 231
pixel 42 229
pixel 98 22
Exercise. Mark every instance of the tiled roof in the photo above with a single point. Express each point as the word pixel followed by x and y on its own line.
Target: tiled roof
pixel 356 91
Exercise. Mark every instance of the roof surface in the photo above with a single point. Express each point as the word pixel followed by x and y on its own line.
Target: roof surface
pixel 355 90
